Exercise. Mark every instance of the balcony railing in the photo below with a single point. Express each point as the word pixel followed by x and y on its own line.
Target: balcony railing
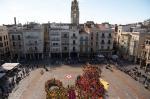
pixel 65 36
pixel 74 37
pixel 109 43
pixel 73 43
pixel 55 39
pixel 65 43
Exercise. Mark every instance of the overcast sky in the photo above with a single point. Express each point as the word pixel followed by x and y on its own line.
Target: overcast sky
pixel 42 11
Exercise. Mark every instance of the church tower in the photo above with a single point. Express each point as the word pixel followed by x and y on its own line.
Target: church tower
pixel 75 13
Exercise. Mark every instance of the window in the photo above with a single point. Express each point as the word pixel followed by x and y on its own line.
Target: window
pixel 91 43
pixel 96 43
pixel 35 42
pixel 102 42
pixel 0 38
pixel 81 38
pixel 103 35
pixel 109 35
pixel 74 49
pixel 108 47
pixel 74 35
pixel 91 38
pixel 13 37
pixel 81 43
pixel 1 44
pixel 65 35
pixel 18 37
pixel 65 48
pixel 91 49
pixel 4 37
pixel 13 43
pixel 109 42
pixel 5 43
pixel 19 45
pixel 55 44
pixel 147 42
pixel 74 42
pixel 35 48
pixel 102 47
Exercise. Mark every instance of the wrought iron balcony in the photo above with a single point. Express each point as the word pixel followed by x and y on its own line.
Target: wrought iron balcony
pixel 73 37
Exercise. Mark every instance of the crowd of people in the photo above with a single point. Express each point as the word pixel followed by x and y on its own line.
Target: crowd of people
pixel 11 80
pixel 69 61
pixel 135 72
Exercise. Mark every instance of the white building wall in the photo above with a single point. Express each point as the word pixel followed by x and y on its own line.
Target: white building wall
pixel 33 41
pixel 4 42
pixel 76 39
pixel 55 40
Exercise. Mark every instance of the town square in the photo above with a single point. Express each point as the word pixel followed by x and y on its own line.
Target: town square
pixel 74 49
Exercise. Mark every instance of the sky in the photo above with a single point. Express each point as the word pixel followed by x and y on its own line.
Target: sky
pixel 42 11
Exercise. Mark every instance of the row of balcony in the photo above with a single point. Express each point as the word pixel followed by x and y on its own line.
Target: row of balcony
pixel 74 37
pixel 64 44
pixel 106 37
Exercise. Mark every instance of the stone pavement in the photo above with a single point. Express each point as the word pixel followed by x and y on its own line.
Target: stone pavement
pixel 122 86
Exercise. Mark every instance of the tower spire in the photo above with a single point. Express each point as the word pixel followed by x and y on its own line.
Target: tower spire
pixel 75 13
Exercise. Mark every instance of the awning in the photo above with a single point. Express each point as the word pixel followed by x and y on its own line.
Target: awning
pixel 8 66
pixel 2 74
pixel 105 83
pixel 114 56
pixel 100 56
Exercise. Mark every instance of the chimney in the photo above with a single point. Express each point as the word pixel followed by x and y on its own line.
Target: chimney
pixel 15 20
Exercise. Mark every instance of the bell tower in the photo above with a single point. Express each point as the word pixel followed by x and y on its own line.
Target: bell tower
pixel 75 13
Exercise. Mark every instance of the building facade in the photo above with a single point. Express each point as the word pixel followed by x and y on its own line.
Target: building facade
pixel 84 44
pixel 130 39
pixel 145 55
pixel 16 43
pixel 100 38
pixel 64 40
pixel 33 39
pixel 4 44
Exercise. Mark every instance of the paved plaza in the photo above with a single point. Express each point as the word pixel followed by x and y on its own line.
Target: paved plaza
pixel 121 86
